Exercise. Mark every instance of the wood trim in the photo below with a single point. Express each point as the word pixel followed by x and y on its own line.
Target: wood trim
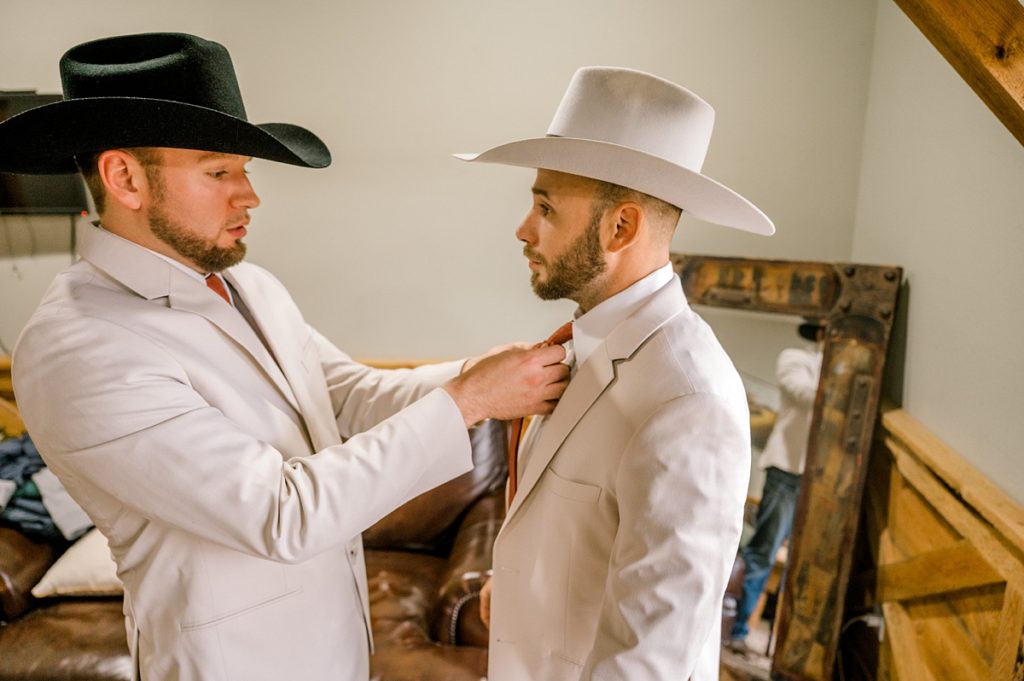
pixel 984 41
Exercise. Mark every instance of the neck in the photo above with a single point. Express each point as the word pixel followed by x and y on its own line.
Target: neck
pixel 615 280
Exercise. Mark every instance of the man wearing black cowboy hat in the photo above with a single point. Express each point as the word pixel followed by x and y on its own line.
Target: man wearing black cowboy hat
pixel 230 454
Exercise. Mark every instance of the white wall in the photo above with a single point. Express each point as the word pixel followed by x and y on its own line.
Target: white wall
pixel 940 194
pixel 398 250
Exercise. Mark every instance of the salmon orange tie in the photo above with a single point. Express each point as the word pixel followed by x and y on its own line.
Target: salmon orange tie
pixel 216 284
pixel 561 336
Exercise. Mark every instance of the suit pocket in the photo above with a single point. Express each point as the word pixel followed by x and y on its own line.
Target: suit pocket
pixel 193 626
pixel 569 489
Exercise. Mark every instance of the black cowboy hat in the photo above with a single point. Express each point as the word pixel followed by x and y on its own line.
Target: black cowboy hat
pixel 148 90
pixel 810 328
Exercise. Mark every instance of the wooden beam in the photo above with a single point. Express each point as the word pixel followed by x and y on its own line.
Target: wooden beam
pixel 984 41
pixel 11 424
pixel 908 663
pixel 1008 660
pixel 977 491
pixel 957 567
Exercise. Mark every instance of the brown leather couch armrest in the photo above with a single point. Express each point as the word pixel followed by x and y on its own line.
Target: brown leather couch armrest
pixel 423 523
pixel 456 615
pixel 23 563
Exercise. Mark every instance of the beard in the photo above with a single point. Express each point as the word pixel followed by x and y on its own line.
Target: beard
pixel 207 255
pixel 572 271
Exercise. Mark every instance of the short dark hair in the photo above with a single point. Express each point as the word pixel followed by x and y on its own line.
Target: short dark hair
pixel 88 165
pixel 664 215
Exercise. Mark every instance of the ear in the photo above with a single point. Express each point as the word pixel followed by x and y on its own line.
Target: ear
pixel 123 177
pixel 628 221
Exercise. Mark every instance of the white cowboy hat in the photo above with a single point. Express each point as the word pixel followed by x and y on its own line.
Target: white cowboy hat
pixel 639 131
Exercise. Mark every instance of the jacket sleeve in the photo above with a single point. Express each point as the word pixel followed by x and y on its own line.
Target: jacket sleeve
pixel 114 413
pixel 681 486
pixel 797 372
pixel 362 396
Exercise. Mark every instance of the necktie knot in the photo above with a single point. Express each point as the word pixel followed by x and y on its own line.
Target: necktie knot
pixel 216 284
pixel 561 336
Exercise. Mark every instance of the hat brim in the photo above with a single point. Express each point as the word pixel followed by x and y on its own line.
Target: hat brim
pixel 810 330
pixel 45 140
pixel 696 194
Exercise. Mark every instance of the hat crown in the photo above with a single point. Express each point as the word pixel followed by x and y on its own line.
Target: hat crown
pixel 164 66
pixel 636 110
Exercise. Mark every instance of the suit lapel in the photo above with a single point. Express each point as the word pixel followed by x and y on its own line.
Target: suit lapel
pixel 190 296
pixel 590 381
pixel 152 277
pixel 593 377
pixel 285 346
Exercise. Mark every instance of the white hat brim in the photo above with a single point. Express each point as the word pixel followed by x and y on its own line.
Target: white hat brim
pixel 698 195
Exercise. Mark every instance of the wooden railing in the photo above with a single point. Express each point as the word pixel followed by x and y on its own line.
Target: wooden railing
pixel 948 551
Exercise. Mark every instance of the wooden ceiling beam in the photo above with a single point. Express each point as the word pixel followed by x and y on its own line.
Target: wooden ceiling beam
pixel 984 41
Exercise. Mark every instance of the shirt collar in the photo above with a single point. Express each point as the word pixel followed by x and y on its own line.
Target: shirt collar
pixel 590 329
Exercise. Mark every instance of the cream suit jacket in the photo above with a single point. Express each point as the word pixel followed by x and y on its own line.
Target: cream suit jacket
pixel 614 555
pixel 232 479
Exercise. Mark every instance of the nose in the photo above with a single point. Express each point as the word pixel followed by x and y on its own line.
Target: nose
pixel 526 231
pixel 246 196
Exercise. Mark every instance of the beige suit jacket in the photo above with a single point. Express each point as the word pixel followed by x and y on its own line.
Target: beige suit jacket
pixel 613 558
pixel 232 479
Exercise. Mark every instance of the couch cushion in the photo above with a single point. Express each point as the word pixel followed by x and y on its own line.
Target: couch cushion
pixel 85 569
pixel 421 523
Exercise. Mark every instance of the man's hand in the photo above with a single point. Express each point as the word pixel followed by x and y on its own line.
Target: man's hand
pixel 512 383
pixel 485 603
pixel 473 361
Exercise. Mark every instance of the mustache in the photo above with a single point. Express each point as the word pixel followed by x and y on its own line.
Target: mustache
pixel 533 255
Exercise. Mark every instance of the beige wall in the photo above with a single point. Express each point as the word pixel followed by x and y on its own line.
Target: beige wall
pixel 399 250
pixel 940 195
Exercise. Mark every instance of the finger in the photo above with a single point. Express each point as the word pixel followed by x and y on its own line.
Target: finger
pixel 552 354
pixel 553 391
pixel 485 604
pixel 544 408
pixel 557 372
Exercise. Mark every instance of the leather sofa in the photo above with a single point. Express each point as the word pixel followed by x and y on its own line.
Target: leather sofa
pixel 426 563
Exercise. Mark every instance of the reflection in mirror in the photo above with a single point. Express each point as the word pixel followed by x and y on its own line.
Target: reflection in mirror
pixel 856 301
pixel 780 390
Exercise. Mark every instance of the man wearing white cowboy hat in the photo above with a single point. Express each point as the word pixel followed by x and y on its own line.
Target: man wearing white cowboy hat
pixel 230 454
pixel 628 502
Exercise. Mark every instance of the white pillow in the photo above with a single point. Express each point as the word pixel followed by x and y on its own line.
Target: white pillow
pixel 85 569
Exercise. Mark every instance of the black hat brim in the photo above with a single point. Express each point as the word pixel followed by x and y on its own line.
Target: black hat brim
pixel 46 139
pixel 809 330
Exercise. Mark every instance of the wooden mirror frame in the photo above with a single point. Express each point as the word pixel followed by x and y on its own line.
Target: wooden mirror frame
pixel 857 303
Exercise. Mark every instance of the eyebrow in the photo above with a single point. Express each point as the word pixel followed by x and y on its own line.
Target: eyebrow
pixel 540 192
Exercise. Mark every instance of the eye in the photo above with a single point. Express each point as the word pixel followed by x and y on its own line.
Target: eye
pixel 544 209
pixel 217 174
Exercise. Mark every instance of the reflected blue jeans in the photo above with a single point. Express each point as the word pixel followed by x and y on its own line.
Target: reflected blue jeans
pixel 772 527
